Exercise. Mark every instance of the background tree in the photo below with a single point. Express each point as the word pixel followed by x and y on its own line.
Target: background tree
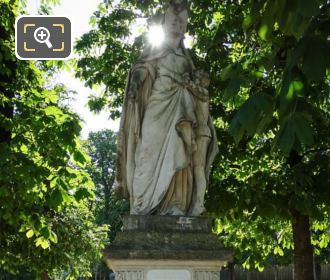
pixel 45 224
pixel 101 147
pixel 107 208
pixel 283 102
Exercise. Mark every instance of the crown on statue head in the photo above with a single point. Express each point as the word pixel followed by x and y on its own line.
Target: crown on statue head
pixel 178 5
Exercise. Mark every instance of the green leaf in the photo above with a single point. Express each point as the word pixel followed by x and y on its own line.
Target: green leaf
pixel 286 93
pixel 263 31
pixel 59 197
pixel 308 8
pixel 231 71
pixel 56 198
pixel 268 20
pixel 53 111
pixel 303 129
pixel 80 157
pixel 285 138
pixel 324 241
pixel 252 117
pixel 232 88
pixel 247 21
pixel 296 54
pixel 51 96
pixel 53 237
pixel 84 193
pixel 54 181
pixel 249 116
pixel 278 251
pixel 295 125
pixel 45 244
pixel 45 232
pixel 41 241
pixel 226 73
pixel 236 130
pixel 24 149
pixel 314 63
pixel 298 86
pixel 29 233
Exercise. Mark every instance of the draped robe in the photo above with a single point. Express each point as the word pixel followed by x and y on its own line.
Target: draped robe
pixel 154 160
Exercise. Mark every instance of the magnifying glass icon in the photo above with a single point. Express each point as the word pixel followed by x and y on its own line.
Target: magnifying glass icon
pixel 41 35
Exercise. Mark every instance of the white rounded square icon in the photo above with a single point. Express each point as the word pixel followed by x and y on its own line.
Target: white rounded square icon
pixel 43 37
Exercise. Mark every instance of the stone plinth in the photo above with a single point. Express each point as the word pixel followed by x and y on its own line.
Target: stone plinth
pixel 167 248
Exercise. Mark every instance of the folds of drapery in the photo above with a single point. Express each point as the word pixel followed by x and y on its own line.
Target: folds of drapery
pixel 130 129
pixel 130 132
pixel 163 154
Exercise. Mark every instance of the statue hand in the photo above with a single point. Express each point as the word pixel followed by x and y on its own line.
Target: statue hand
pixel 186 76
pixel 118 191
pixel 132 92
pixel 131 95
pixel 202 78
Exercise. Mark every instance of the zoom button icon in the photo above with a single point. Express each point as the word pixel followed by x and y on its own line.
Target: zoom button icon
pixel 43 38
pixel 41 35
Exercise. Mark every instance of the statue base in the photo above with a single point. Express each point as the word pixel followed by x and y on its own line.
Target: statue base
pixel 166 248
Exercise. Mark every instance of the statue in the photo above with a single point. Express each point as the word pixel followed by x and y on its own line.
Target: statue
pixel 166 141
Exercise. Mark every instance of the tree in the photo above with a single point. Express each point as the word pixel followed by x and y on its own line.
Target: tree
pixel 101 147
pixel 282 102
pixel 44 189
pixel 269 65
pixel 107 208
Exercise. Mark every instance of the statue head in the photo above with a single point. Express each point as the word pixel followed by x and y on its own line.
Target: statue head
pixel 176 18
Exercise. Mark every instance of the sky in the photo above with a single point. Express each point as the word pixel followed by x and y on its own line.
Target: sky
pixel 79 12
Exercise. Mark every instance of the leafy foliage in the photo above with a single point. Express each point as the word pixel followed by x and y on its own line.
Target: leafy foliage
pixel 44 220
pixel 108 208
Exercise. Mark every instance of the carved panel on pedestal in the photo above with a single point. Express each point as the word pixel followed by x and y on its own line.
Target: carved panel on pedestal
pixel 168 274
pixel 129 275
pixel 207 275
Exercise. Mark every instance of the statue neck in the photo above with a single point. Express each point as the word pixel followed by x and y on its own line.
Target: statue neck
pixel 173 41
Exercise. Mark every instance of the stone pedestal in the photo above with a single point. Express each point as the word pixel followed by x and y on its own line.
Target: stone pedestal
pixel 167 248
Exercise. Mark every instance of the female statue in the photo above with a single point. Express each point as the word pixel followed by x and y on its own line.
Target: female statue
pixel 166 139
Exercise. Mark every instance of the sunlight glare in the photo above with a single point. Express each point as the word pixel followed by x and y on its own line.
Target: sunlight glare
pixel 156 35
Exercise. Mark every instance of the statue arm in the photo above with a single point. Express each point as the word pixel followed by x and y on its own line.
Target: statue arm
pixel 139 86
pixel 198 90
pixel 138 76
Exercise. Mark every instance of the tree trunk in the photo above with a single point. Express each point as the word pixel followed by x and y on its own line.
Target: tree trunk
pixel 107 193
pixel 276 273
pixel 231 267
pixel 303 251
pixel 44 276
pixel 317 268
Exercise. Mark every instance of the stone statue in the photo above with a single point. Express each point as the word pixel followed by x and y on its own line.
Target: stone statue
pixel 167 140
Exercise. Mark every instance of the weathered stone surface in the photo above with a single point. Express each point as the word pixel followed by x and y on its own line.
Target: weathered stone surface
pixel 167 224
pixel 166 243
pixel 168 274
pixel 206 275
pixel 167 237
pixel 130 275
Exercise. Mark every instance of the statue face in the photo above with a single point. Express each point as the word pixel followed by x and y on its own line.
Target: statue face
pixel 175 23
